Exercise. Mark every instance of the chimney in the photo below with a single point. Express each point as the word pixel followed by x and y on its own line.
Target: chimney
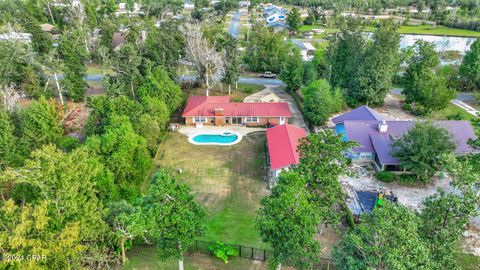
pixel 219 112
pixel 382 126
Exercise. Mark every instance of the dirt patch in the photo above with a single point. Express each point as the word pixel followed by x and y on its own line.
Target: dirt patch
pixel 75 117
pixel 471 241
pixel 393 107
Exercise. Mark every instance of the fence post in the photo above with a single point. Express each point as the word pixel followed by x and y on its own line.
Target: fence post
pixel 252 253
pixel 239 251
pixel 264 255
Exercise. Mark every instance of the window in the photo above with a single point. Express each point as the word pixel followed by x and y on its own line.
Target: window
pixel 197 119
pixel 251 119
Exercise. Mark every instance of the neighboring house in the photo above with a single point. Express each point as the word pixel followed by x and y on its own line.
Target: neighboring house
pixel 123 9
pixel 188 5
pixel 282 142
pixel 219 111
pixel 16 36
pixel 276 17
pixel 117 40
pixel 272 9
pixel 375 134
pixel 242 4
pixel 307 50
pixel 278 26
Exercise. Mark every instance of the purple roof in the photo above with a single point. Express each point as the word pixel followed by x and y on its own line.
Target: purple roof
pixel 360 113
pixel 371 140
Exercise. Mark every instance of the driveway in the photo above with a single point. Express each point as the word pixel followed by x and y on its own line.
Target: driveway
pixel 297 118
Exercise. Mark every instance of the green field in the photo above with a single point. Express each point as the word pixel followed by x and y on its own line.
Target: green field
pixel 449 111
pixel 227 181
pixel 411 29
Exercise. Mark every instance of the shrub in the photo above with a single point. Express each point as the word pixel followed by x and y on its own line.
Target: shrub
pixel 386 177
pixel 222 251
pixel 407 179
pixel 249 90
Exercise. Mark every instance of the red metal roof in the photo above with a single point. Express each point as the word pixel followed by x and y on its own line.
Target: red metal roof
pixel 205 106
pixel 282 145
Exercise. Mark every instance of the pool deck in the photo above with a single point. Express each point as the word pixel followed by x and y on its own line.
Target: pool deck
pixel 190 130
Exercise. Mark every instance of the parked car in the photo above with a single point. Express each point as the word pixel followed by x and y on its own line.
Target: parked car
pixel 267 75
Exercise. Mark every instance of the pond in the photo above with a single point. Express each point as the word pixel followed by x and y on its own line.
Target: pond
pixel 215 138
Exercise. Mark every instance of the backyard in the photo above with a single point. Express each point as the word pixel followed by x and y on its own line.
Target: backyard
pixel 227 181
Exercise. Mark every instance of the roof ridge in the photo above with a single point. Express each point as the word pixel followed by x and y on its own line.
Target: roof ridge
pixel 292 153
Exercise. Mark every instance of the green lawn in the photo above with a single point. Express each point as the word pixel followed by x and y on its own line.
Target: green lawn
pixel 468 261
pixel 437 30
pixel 145 258
pixel 237 95
pixel 451 110
pixel 227 181
pixel 411 29
pixel 95 69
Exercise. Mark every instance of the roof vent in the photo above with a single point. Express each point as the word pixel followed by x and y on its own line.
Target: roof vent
pixel 383 126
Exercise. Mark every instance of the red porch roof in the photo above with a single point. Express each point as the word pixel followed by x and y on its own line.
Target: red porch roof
pixel 282 145
pixel 205 106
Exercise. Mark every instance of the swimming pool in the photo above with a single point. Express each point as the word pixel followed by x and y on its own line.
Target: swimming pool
pixel 215 138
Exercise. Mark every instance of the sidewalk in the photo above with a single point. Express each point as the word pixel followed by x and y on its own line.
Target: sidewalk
pixel 465 107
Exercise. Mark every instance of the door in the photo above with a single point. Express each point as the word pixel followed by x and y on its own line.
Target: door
pixel 282 120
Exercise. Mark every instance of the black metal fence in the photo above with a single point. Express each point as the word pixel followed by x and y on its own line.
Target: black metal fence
pixel 243 251
pixel 253 253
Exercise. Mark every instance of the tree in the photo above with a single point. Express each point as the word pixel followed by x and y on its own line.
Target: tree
pixel 418 154
pixel 292 71
pixel 380 63
pixel 386 239
pixel 7 139
pixel 126 63
pixel 309 72
pixel 293 20
pixel 322 161
pixel 39 124
pixel 124 153
pixel 14 57
pixel 73 50
pixel 266 50
pixel 148 128
pixel 321 101
pixel 232 61
pixel 287 221
pixel 173 217
pixel 62 219
pixel 446 214
pixel 208 62
pixel 159 85
pixel 345 54
pixel 424 88
pixel 470 67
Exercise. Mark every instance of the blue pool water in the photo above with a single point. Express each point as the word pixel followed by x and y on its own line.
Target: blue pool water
pixel 340 129
pixel 223 138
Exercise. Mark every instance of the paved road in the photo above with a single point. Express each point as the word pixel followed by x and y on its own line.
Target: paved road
pixel 234 28
pixel 246 80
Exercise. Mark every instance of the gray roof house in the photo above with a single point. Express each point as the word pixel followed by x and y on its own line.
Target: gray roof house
pixel 375 133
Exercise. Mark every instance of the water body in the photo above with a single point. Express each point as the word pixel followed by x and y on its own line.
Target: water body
pixel 442 43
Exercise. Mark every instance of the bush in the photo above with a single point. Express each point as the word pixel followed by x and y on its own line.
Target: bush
pixel 249 90
pixel 407 179
pixel 386 177
pixel 222 251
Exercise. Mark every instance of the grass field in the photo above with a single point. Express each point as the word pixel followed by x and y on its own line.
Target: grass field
pixel 468 261
pixel 451 110
pixel 237 95
pixel 411 29
pixel 227 181
pixel 145 258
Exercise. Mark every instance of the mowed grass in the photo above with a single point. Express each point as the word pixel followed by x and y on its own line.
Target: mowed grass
pixel 438 30
pixel 146 258
pixel 227 180
pixel 237 95
pixel 449 111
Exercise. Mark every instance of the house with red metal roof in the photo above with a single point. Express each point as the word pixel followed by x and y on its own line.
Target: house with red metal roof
pixel 220 111
pixel 375 134
pixel 282 142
